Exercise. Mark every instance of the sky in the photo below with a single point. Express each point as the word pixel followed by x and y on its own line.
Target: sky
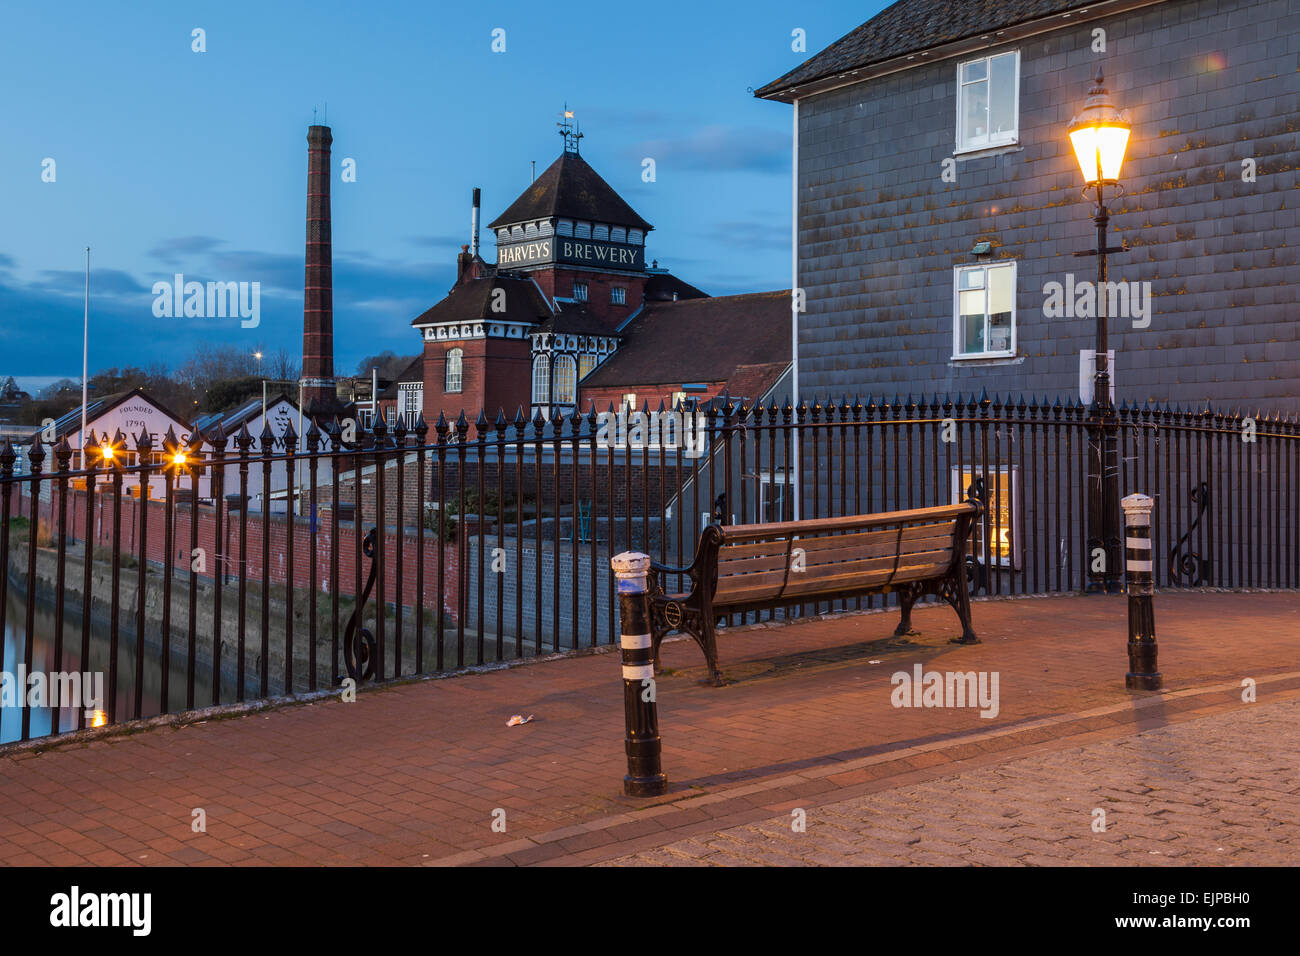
pixel 167 160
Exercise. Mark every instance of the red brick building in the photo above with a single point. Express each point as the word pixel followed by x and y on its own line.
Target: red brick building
pixel 571 300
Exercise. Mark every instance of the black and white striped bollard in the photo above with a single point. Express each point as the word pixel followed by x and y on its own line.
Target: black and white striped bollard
pixel 1142 673
pixel 645 777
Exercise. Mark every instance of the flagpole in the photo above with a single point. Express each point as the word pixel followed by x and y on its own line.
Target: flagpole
pixel 85 362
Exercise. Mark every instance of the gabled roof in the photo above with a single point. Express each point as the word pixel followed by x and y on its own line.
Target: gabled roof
pixel 472 300
pixel 910 26
pixel 414 372
pixel 662 287
pixel 70 422
pixel 699 340
pixel 232 421
pixel 571 189
pixel 574 318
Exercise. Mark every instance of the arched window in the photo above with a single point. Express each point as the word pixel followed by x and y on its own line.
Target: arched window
pixel 542 380
pixel 455 362
pixel 565 380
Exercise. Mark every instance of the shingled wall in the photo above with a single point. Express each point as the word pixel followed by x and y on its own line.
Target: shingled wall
pixel 1207 84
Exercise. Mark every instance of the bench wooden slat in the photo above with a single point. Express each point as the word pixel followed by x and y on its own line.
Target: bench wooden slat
pixel 839 574
pixel 750 532
pixel 839 548
pixel 810 542
pixel 832 584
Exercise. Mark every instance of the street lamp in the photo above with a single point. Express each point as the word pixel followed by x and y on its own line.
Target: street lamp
pixel 1100 137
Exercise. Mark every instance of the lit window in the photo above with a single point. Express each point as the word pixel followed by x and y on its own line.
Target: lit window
pixel 1001 514
pixel 629 399
pixel 586 362
pixel 565 380
pixel 455 363
pixel 580 291
pixel 618 295
pixel 984 311
pixel 541 380
pixel 988 101
pixel 679 399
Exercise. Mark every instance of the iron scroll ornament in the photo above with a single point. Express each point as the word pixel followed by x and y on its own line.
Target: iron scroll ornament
pixel 1187 567
pixel 359 646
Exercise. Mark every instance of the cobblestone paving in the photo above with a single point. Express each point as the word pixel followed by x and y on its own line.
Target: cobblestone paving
pixel 1223 789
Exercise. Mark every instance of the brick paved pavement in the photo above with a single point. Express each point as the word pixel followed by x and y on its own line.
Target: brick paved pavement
pixel 1218 790
pixel 412 773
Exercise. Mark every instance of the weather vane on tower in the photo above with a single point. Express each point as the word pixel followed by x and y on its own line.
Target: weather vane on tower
pixel 569 130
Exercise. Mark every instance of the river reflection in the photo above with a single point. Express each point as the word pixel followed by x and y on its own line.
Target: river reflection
pixel 42 718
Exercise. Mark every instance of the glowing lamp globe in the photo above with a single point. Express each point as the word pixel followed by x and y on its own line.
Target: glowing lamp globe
pixel 1099 135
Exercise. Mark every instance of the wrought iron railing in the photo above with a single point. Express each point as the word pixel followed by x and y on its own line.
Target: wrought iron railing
pixel 207 574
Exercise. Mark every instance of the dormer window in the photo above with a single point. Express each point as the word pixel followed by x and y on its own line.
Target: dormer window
pixel 988 101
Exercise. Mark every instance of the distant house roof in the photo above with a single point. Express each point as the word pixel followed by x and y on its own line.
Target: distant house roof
pixel 571 189
pixel 472 300
pixel 573 318
pixel 414 372
pixel 70 421
pixel 911 26
pixel 232 421
pixel 662 287
pixel 712 339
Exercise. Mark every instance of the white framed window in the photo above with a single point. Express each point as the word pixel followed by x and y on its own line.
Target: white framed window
pixel 988 101
pixel 586 362
pixel 629 400
pixel 580 291
pixel 412 399
pixel 618 295
pixel 565 380
pixel 984 311
pixel 390 415
pixel 542 380
pixel 774 504
pixel 455 370
pixel 1002 513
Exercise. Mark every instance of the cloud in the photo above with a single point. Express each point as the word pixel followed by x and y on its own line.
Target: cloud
pixel 719 148
pixel 171 250
pixel 7 263
pixel 756 233
pixel 108 282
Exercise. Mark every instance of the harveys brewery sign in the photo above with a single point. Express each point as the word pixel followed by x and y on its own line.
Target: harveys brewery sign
pixel 571 251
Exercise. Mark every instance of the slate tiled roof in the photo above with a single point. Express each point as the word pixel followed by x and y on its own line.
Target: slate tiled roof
pixel 70 421
pixel 661 287
pixel 699 340
pixel 472 300
pixel 571 189
pixel 414 372
pixel 910 26
pixel 574 318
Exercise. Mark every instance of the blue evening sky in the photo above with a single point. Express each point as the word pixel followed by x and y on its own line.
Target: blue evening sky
pixel 167 160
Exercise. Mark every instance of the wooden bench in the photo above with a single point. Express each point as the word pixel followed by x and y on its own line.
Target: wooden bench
pixel 753 567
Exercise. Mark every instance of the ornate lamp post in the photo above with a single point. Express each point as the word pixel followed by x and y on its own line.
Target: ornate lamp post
pixel 1100 136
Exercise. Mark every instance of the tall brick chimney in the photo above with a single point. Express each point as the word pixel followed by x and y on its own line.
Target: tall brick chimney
pixel 320 396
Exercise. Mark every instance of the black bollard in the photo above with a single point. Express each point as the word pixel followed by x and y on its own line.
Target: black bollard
pixel 645 778
pixel 1142 673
